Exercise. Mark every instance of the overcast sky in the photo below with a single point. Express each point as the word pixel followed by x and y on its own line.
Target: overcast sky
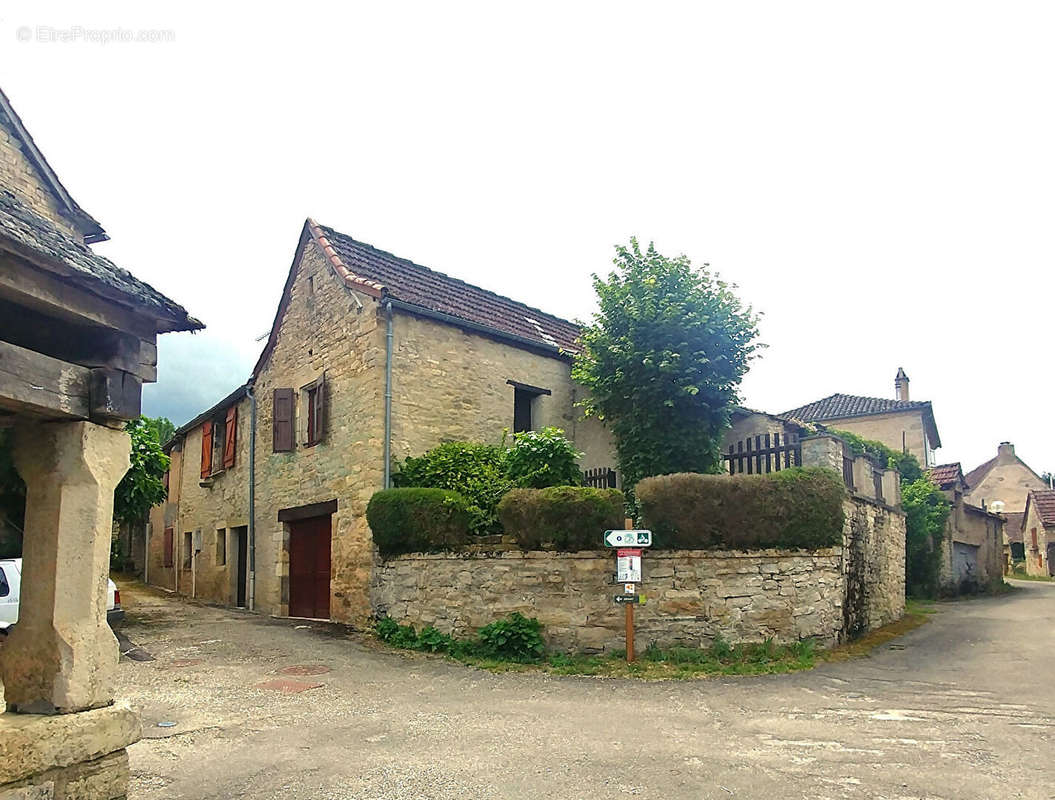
pixel 877 178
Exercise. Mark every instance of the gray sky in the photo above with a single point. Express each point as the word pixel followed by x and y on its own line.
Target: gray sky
pixel 877 178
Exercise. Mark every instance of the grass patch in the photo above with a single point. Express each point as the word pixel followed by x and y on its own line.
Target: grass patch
pixel 1023 576
pixel 917 612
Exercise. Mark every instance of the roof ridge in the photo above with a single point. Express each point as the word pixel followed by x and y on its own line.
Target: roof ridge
pixel 444 275
pixel 350 279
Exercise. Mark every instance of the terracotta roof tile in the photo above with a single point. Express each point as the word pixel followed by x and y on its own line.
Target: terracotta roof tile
pixel 1013 528
pixel 363 264
pixel 843 406
pixel 1044 500
pixel 945 474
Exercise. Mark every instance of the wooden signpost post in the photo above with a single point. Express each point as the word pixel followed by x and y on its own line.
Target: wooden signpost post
pixel 628 544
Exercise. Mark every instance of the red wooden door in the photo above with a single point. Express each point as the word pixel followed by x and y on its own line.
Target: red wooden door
pixel 309 568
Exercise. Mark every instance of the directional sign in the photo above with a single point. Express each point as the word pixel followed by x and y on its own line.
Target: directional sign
pixel 628 538
pixel 623 599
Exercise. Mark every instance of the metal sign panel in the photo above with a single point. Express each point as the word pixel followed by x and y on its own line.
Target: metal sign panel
pixel 623 599
pixel 628 566
pixel 628 538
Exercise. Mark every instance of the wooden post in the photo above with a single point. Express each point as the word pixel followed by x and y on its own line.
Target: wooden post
pixel 629 525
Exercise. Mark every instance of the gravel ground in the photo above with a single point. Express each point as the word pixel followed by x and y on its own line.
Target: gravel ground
pixel 963 708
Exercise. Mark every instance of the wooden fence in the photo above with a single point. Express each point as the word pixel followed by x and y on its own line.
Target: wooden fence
pixel 599 478
pixel 762 454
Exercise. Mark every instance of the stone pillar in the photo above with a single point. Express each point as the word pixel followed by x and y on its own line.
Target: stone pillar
pixel 863 483
pixel 892 487
pixel 823 450
pixel 61 656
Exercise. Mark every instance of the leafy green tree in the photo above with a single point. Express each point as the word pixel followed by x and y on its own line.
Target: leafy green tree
pixel 162 427
pixel 543 458
pixel 926 512
pixel 143 485
pixel 663 359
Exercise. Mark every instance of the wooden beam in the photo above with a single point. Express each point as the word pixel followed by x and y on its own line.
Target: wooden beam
pixel 114 395
pixel 42 386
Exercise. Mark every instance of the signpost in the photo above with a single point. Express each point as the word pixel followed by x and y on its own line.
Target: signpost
pixel 628 572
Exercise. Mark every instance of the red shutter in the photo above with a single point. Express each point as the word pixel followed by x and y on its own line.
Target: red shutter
pixel 167 554
pixel 282 420
pixel 206 449
pixel 229 440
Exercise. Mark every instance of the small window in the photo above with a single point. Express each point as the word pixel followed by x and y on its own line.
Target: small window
pixel 221 547
pixel 167 549
pixel 219 436
pixel 523 405
pixel 5 588
pixel 1033 533
pixel 313 403
pixel 188 549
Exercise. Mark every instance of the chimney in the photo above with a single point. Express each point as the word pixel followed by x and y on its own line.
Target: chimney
pixel 901 384
pixel 1005 453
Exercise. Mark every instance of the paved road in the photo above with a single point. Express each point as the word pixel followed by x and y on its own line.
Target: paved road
pixel 966 710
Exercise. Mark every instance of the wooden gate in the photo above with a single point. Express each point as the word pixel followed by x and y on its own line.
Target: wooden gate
pixel 763 453
pixel 309 568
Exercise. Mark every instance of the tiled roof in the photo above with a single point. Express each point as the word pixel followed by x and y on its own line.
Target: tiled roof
pixel 1013 528
pixel 1044 500
pixel 977 475
pixel 840 406
pixel 945 474
pixel 369 268
pixel 26 233
pixel 843 406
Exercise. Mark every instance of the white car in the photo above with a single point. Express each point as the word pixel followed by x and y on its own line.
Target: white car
pixel 11 583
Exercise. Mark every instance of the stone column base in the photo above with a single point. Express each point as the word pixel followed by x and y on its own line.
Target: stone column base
pixel 67 756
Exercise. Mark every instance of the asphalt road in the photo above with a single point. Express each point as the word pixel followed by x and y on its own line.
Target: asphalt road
pixel 965 710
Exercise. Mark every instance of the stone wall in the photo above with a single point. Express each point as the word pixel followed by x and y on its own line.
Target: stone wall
pixel 19 176
pixel 692 596
pixel 449 384
pixel 890 429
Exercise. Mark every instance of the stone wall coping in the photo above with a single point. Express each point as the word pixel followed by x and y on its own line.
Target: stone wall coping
pixel 863 498
pixel 34 743
pixel 541 555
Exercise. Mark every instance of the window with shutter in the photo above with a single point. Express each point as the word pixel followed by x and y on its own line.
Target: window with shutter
pixel 229 437
pixel 282 421
pixel 167 554
pixel 315 406
pixel 206 449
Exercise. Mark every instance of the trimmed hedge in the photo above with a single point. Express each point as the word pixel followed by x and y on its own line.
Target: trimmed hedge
pixel 793 508
pixel 418 520
pixel 565 518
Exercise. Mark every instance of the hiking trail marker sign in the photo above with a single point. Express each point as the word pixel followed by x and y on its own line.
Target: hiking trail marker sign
pixel 628 572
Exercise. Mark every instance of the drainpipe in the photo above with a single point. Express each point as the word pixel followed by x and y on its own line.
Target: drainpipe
pixel 250 591
pixel 388 397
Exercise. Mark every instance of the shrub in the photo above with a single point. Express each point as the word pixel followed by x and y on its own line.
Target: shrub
pixel 476 471
pixel 543 458
pixel 793 508
pixel 515 638
pixel 417 520
pixel 926 512
pixel 905 463
pixel 567 518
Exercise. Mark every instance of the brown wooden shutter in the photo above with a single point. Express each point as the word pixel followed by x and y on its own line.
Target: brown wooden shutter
pixel 282 420
pixel 229 438
pixel 206 449
pixel 321 406
pixel 167 553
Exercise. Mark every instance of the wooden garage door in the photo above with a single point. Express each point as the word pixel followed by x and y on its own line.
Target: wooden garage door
pixel 309 568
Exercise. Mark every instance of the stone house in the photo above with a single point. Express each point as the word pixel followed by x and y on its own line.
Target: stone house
pixel 78 339
pixel 972 553
pixel 901 424
pixel 1038 532
pixel 1003 483
pixel 371 358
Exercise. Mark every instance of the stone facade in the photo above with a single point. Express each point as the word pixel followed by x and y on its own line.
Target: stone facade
pixel 1039 542
pixel 972 548
pixel 448 383
pixel 1005 479
pixel 898 430
pixel 692 596
pixel 208 509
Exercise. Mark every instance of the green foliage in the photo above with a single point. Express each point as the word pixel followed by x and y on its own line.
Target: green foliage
pixel 905 463
pixel 476 471
pixel 543 458
pixel 418 520
pixel 162 428
pixel 12 500
pixel 926 512
pixel 663 360
pixel 793 508
pixel 515 638
pixel 565 518
pixel 143 486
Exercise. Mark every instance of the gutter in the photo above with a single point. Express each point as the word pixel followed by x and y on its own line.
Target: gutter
pixel 388 396
pixel 250 589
